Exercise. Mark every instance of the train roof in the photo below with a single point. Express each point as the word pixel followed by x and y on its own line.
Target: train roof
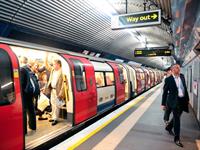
pixel 47 48
pixel 53 49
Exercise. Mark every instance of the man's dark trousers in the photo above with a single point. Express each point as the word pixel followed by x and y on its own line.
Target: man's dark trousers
pixel 167 114
pixel 175 121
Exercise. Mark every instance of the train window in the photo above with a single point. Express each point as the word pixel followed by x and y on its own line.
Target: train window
pixel 110 78
pixel 142 74
pixel 138 76
pixel 141 77
pixel 100 81
pixel 7 95
pixel 79 71
pixel 190 79
pixel 121 76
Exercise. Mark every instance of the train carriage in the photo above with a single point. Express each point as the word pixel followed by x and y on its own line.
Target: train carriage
pixel 93 86
pixel 152 77
pixel 133 81
pixel 105 83
pixel 84 88
pixel 126 80
pixel 140 77
pixel 119 82
pixel 147 78
pixel 10 101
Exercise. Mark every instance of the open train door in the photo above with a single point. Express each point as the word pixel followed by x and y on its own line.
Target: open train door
pixel 84 88
pixel 119 81
pixel 11 117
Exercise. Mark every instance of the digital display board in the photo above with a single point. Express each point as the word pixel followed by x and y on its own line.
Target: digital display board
pixel 152 53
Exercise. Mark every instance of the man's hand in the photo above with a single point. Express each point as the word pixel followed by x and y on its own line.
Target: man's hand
pixel 163 107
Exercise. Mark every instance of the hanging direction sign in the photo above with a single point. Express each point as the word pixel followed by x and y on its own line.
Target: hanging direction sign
pixel 139 19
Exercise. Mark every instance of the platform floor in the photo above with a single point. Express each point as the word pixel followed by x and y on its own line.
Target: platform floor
pixel 45 131
pixel 140 128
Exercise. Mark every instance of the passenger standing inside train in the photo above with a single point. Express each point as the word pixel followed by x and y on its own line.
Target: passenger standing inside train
pixel 27 97
pixel 43 75
pixel 167 110
pixel 34 68
pixel 175 96
pixel 56 85
pixel 46 69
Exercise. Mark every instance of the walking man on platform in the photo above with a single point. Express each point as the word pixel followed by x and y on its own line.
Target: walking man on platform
pixel 167 110
pixel 175 97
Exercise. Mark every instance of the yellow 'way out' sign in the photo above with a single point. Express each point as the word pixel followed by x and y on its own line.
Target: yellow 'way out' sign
pixel 139 19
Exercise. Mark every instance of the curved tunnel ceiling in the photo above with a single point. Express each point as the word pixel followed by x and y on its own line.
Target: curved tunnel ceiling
pixel 85 23
pixel 186 25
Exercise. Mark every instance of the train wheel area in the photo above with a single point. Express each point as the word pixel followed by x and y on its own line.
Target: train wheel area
pixel 136 125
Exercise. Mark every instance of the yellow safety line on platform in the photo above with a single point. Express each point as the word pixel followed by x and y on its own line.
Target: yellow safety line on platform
pixel 104 125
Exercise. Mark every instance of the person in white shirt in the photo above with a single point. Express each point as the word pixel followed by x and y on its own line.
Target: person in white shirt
pixel 175 97
pixel 56 86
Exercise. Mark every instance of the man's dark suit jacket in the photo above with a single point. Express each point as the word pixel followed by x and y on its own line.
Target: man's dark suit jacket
pixel 170 94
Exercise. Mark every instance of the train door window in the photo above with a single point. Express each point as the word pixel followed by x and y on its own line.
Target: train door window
pixel 137 75
pixel 142 77
pixel 148 78
pixel 109 78
pixel 100 80
pixel 79 71
pixel 121 76
pixel 190 79
pixel 187 79
pixel 7 95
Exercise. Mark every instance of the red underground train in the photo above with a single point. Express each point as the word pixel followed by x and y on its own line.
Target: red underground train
pixel 94 85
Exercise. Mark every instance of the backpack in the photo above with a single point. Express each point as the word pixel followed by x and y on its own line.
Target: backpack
pixel 32 85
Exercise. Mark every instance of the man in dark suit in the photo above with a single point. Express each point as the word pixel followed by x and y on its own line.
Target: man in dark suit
pixel 27 98
pixel 175 97
pixel 167 109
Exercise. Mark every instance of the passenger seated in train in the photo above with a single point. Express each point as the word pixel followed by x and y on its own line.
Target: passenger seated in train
pixel 56 85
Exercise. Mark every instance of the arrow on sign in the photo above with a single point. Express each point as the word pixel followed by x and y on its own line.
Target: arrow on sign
pixel 154 16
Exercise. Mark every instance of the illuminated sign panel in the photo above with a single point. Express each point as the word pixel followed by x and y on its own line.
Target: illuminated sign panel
pixel 152 53
pixel 139 19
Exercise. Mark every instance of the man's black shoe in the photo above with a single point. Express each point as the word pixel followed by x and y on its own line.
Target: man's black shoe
pixel 51 120
pixel 54 122
pixel 169 130
pixel 178 143
pixel 41 118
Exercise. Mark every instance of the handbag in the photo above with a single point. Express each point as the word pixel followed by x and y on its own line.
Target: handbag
pixel 60 103
pixel 43 102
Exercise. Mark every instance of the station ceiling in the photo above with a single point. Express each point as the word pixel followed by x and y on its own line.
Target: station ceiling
pixel 88 23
